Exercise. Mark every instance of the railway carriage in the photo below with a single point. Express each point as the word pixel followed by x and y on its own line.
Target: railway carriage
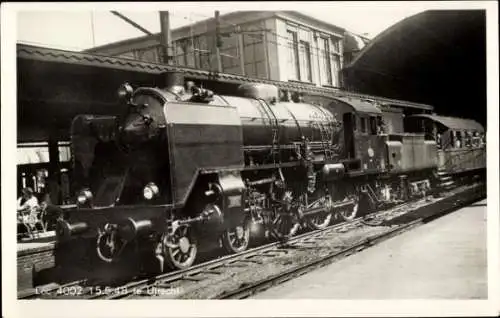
pixel 183 169
pixel 461 144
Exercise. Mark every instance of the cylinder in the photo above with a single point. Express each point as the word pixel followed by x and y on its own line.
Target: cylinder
pixel 130 228
pixel 333 171
pixel 64 229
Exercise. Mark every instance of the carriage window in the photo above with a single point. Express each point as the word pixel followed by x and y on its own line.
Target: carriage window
pixel 363 125
pixel 458 139
pixel 476 142
pixel 467 139
pixel 373 125
pixel 380 125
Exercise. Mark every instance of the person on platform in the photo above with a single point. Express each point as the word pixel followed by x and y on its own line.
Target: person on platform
pixel 50 213
pixel 27 207
pixel 27 202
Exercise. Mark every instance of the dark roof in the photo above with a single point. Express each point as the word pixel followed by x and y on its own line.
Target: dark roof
pixel 453 123
pixel 421 58
pixel 77 58
pixel 360 105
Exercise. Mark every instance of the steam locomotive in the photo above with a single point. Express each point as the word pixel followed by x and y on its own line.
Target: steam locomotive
pixel 184 166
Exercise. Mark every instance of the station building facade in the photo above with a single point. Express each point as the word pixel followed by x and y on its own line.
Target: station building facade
pixel 274 45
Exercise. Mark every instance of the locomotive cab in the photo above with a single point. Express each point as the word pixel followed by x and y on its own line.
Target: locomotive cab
pixel 362 127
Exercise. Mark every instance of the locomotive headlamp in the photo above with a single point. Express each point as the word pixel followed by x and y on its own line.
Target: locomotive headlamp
pixel 150 191
pixel 125 92
pixel 84 197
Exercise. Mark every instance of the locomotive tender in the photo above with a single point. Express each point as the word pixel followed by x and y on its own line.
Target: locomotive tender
pixel 185 167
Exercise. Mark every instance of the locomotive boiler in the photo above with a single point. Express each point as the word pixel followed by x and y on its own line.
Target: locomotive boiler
pixel 184 166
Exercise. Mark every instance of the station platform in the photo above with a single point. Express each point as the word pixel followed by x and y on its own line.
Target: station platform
pixel 443 259
pixel 41 239
pixel 24 247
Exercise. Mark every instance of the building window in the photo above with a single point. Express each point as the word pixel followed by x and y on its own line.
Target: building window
pixel 202 53
pixel 194 52
pixel 230 52
pixel 293 56
pixel 181 52
pixel 254 51
pixel 184 54
pixel 305 61
pixel 325 69
pixel 299 55
pixel 336 61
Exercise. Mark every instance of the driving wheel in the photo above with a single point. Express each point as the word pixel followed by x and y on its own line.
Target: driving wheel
pixel 236 239
pixel 180 248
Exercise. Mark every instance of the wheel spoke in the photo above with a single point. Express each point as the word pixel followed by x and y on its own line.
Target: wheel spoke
pixel 177 257
pixel 175 252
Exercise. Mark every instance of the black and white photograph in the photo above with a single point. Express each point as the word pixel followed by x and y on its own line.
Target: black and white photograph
pixel 323 158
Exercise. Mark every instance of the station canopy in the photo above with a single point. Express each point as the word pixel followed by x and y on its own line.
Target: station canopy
pixel 453 123
pixel 83 83
pixel 360 105
pixel 436 57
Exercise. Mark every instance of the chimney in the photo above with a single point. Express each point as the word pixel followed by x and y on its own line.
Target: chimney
pixel 171 80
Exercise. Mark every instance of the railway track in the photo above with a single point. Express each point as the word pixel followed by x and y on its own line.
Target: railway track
pixel 233 260
pixel 330 244
pixel 249 290
pixel 259 286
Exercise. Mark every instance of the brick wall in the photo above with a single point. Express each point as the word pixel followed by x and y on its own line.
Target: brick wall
pixel 31 262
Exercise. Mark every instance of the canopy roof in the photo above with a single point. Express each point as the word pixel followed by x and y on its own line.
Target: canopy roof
pixel 83 83
pixel 41 54
pixel 453 123
pixel 360 105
